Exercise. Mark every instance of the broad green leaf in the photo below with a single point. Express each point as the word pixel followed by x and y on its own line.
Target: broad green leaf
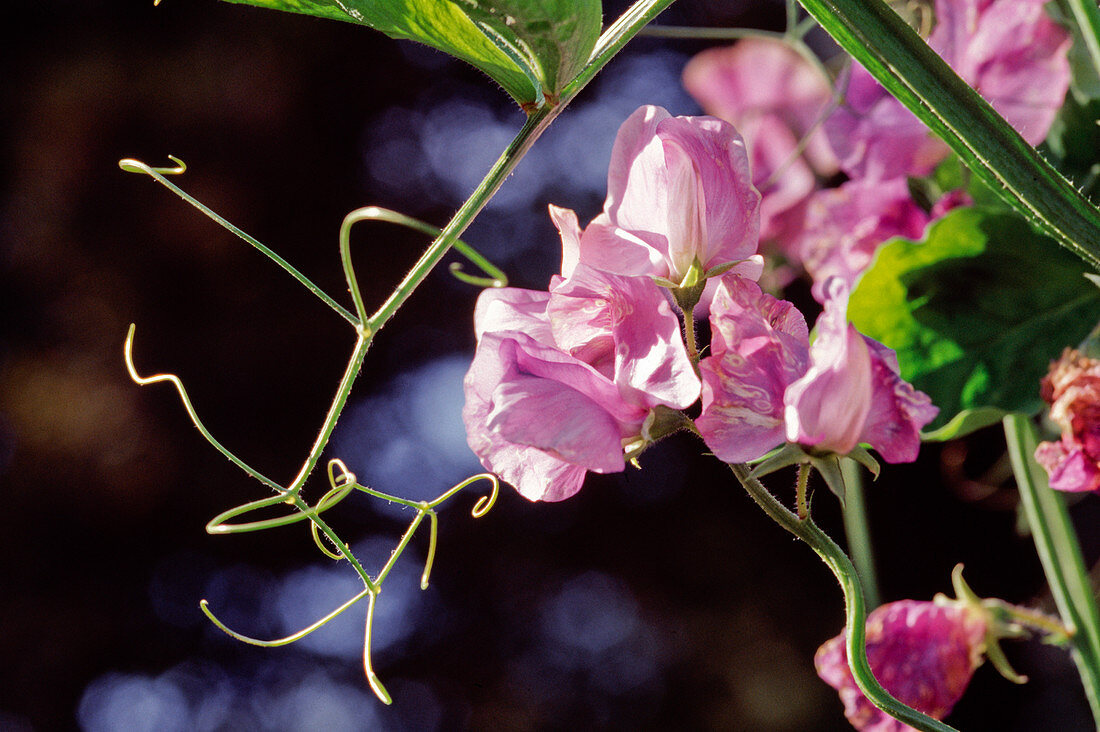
pixel 530 47
pixel 976 311
pixel 557 35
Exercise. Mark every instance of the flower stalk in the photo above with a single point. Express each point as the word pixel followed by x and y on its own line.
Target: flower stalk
pixel 1060 553
pixel 855 610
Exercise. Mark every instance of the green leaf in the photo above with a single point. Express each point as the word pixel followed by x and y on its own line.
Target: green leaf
pixel 557 35
pixel 904 64
pixel 965 422
pixel 530 47
pixel 1073 141
pixel 974 315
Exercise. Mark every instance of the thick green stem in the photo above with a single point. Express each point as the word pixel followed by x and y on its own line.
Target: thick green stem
pixel 858 531
pixel 855 612
pixel 1060 553
pixel 904 64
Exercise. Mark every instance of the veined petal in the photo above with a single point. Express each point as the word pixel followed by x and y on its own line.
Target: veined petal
pixel 898 411
pixel 558 420
pixel 759 346
pixel 513 308
pixel 626 329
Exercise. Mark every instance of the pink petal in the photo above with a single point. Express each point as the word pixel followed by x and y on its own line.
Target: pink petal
pixel 512 308
pixel 759 345
pixel 844 227
pixel 759 77
pixel 628 322
pixel 828 406
pixel 558 420
pixel 682 186
pixel 565 220
pixel 898 411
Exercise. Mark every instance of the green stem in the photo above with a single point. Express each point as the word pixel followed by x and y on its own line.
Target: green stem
pixel 801 502
pixel 689 339
pixel 1087 15
pixel 610 43
pixel 1060 553
pixel 858 531
pixel 709 34
pixel 904 64
pixel 855 612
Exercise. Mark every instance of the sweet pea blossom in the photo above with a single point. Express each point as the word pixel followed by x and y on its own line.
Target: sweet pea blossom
pixel 774 97
pixel 844 227
pixel 1009 51
pixel 852 392
pixel 561 379
pixel 923 653
pixel 1012 53
pixel 680 201
pixel 759 346
pixel 1072 388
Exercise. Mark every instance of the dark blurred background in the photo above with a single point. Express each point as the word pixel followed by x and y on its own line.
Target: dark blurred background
pixel 660 598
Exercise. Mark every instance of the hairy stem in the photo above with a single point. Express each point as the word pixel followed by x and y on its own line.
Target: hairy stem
pixel 855 612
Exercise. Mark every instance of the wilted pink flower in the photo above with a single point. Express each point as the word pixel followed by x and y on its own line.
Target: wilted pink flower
pixel 680 196
pixel 852 392
pixel 759 345
pixel 774 97
pixel 844 227
pixel 1072 388
pixel 923 653
pixel 560 379
pixel 1010 51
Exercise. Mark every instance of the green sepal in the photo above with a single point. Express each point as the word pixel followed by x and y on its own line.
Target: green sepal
pixel 860 455
pixel 784 457
pixel 829 467
pixel 663 421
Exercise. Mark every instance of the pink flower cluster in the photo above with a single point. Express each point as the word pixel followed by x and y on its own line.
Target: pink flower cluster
pixel 1072 388
pixel 923 653
pixel 1010 51
pixel 566 381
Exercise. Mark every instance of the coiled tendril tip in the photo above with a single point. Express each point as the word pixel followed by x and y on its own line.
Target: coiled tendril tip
pixel 130 165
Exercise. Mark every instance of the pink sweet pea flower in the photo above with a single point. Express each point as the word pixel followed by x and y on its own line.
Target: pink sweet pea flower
pixel 844 227
pixel 774 97
pixel 923 653
pixel 1072 388
pixel 560 379
pixel 759 345
pixel 680 198
pixel 1010 51
pixel 852 392
pixel 876 137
